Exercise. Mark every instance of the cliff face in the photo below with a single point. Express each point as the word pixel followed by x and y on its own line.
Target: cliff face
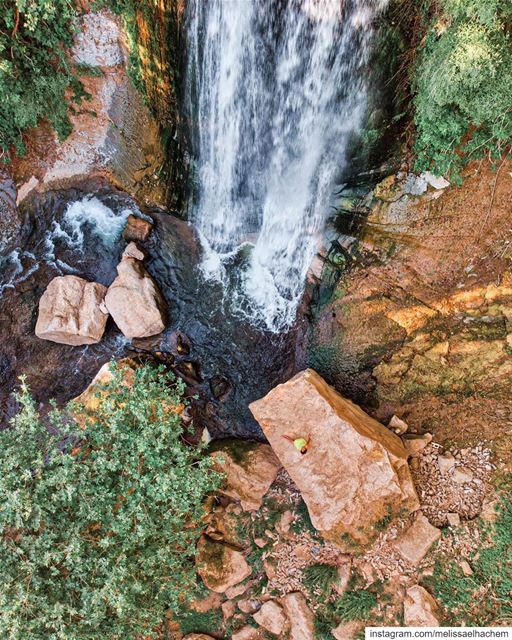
pixel 128 130
pixel 421 326
pixel 159 49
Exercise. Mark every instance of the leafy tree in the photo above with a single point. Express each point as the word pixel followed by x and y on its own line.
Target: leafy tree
pixel 35 73
pixel 464 94
pixel 98 522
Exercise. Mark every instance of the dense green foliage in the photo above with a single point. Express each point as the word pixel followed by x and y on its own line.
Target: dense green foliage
pixel 98 525
pixel 35 73
pixel 464 94
pixel 484 598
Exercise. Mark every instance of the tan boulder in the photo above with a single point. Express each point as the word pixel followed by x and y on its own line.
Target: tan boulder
pixel 219 565
pixel 420 608
pixel 198 636
pixel 355 470
pixel 248 633
pixel 133 299
pixel 348 630
pixel 415 542
pixel 300 616
pixel 70 312
pixel 250 469
pixel 271 617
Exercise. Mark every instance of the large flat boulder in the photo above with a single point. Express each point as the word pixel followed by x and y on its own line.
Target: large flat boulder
pixel 354 473
pixel 71 312
pixel 133 299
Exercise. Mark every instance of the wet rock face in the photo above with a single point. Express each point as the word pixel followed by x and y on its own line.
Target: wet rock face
pixel 354 472
pixel 114 134
pixel 9 221
pixel 70 312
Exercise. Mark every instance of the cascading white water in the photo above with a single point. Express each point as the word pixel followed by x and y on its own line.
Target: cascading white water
pixel 275 89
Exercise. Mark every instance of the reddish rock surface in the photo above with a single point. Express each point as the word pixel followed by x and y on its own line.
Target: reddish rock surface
pixel 414 544
pixel 355 471
pixel 219 565
pixel 300 616
pixel 250 469
pixel 271 617
pixel 420 608
pixel 70 312
pixel 137 229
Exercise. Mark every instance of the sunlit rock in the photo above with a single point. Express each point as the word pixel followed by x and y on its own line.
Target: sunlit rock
pixel 133 299
pixel 354 472
pixel 249 467
pixel 420 608
pixel 70 311
pixel 220 565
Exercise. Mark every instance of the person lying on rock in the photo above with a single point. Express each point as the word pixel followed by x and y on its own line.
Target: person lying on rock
pixel 301 443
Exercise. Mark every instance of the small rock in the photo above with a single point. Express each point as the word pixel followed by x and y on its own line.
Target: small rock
pixel 271 617
pixel 344 573
pixel 420 608
pixel 299 616
pixel 453 519
pixel 248 633
pixel 132 251
pixel 212 601
pixel 137 229
pixel 348 630
pixel 445 463
pixel 283 526
pixel 228 609
pixel 398 425
pixel 219 565
pixel 260 542
pixel 414 543
pixel 249 606
pixel 198 636
pixel 270 568
pixel 415 185
pixel 234 592
pixel 466 568
pixel 415 444
pixel 461 475
pixel 437 182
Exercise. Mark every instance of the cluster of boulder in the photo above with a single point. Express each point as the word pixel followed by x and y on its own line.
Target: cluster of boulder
pixel 353 475
pixel 74 311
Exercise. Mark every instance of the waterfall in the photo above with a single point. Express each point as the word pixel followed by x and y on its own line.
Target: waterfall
pixel 275 92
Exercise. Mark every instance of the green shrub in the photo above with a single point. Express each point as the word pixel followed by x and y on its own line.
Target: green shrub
pixel 463 90
pixel 98 525
pixel 35 73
